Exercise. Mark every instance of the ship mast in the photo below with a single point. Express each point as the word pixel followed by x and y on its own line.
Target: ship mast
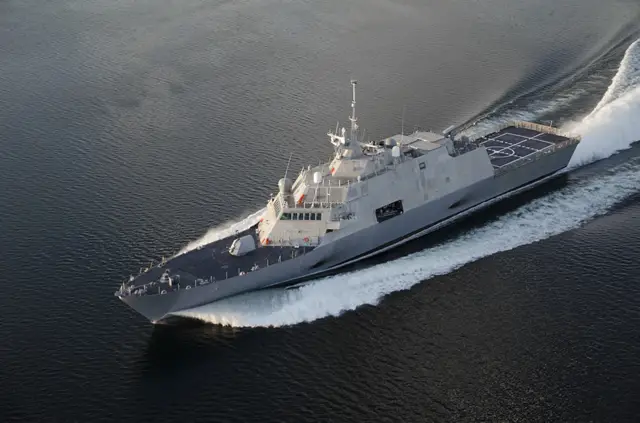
pixel 354 120
pixel 348 147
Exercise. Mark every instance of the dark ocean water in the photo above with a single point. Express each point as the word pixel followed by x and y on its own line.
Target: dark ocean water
pixel 127 129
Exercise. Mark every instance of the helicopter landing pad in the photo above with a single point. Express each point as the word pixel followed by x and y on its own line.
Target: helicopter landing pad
pixel 512 143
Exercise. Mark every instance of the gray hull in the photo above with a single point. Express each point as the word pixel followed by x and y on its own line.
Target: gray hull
pixel 364 243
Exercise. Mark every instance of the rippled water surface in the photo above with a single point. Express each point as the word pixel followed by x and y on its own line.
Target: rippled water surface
pixel 130 129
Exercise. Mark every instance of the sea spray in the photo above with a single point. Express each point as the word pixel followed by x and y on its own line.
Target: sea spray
pixel 223 230
pixel 613 128
pixel 625 80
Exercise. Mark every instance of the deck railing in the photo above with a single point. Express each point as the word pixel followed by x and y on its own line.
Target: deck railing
pixel 160 286
pixel 542 128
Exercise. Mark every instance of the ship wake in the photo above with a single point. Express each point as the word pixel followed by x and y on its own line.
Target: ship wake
pixel 611 127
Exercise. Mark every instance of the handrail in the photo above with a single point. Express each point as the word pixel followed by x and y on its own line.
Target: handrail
pixel 300 247
pixel 542 128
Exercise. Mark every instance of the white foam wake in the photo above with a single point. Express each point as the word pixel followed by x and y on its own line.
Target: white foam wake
pixel 223 230
pixel 627 77
pixel 613 128
pixel 613 124
pixel 605 131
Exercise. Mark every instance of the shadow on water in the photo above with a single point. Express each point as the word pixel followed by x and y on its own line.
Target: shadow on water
pixel 178 335
pixel 184 342
pixel 180 346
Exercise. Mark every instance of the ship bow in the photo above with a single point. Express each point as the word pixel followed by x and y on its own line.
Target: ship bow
pixel 153 307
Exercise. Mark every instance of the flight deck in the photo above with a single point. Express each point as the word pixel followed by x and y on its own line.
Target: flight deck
pixel 515 144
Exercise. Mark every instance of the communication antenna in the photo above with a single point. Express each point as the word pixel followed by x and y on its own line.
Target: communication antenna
pixel 288 163
pixel 402 136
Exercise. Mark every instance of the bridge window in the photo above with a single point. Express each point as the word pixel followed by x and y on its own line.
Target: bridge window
pixel 301 216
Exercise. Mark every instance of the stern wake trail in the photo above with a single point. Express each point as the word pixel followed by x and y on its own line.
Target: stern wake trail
pixel 564 103
pixel 613 124
pixel 611 127
pixel 627 78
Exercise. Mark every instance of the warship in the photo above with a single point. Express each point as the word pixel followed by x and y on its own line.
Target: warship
pixel 371 197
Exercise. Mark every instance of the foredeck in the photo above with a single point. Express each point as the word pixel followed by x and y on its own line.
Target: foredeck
pixel 208 264
pixel 515 144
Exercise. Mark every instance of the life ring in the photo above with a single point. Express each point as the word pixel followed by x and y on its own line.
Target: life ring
pixel 163 292
pixel 188 287
pixel 306 239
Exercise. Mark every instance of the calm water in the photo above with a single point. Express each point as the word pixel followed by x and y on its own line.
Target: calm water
pixel 128 129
